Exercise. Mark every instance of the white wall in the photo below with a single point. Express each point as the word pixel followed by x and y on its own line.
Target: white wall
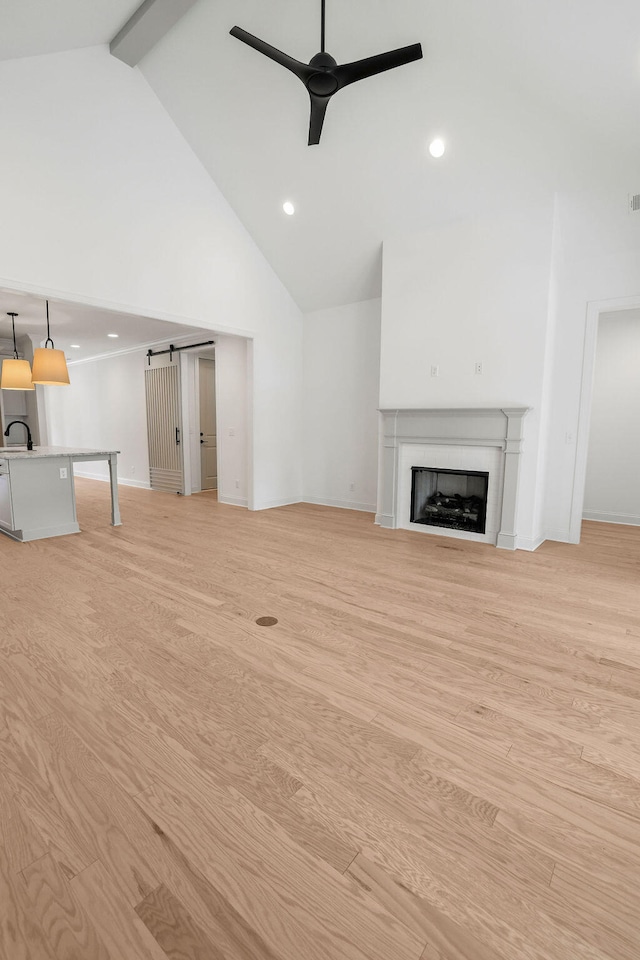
pixel 613 468
pixel 467 292
pixel 341 371
pixel 103 408
pixel 108 205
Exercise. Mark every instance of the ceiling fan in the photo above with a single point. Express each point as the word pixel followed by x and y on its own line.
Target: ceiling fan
pixel 322 76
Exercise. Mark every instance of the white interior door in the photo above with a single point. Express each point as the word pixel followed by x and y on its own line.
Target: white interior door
pixel 164 420
pixel 208 442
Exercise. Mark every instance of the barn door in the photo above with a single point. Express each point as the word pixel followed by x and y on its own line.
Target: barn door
pixel 162 388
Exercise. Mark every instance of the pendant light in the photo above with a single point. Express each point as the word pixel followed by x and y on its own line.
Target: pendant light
pixel 49 364
pixel 16 373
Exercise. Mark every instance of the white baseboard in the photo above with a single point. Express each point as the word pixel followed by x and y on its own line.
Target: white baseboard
pixel 233 501
pixel 530 543
pixel 270 504
pixel 385 520
pixel 121 480
pixel 625 518
pixel 560 536
pixel 343 504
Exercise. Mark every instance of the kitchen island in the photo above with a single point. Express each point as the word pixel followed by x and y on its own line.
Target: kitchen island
pixel 37 493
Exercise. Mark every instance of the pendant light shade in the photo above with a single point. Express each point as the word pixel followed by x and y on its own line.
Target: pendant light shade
pixel 49 364
pixel 16 373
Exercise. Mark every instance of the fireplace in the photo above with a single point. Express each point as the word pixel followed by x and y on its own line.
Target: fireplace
pixel 456 499
pixel 450 441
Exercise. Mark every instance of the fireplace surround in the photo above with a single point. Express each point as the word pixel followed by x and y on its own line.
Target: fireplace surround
pixel 462 439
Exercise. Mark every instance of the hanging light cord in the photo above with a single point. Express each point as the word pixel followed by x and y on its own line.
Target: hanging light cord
pixel 48 340
pixel 13 328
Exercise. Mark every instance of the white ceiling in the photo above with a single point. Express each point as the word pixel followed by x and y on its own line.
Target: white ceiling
pixel 527 93
pixel 87 326
pixel 31 27
pixel 531 95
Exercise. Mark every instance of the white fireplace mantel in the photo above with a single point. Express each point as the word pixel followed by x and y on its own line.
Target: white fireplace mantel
pixel 500 427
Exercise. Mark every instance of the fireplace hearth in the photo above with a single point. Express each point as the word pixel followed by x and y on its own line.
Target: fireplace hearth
pixel 455 499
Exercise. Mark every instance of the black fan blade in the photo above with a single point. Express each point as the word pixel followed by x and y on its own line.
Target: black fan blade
pixel 301 70
pixel 370 66
pixel 318 110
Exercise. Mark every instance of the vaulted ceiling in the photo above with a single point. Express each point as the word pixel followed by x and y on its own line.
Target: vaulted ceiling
pixel 530 95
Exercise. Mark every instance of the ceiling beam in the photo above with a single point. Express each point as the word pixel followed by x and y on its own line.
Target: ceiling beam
pixel 146 27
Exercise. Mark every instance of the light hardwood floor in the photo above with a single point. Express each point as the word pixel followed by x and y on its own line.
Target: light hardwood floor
pixel 434 754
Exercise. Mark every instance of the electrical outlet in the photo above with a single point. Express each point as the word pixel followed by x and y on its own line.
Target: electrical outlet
pixel 133 471
pixel 352 486
pixel 232 431
pixel 435 370
pixel 478 367
pixel 63 473
pixel 237 484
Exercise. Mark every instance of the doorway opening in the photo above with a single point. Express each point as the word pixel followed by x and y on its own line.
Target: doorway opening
pixel 208 428
pixel 205 427
pixel 612 494
pixel 609 408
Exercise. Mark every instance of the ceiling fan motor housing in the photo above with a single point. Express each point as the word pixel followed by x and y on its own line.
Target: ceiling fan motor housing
pixel 323 83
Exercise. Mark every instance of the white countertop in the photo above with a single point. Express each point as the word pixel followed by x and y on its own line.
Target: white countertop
pixel 21 452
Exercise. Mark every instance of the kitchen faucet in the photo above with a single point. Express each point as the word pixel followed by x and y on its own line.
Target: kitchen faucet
pixel 26 426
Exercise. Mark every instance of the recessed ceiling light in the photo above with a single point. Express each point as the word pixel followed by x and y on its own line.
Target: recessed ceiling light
pixel 288 208
pixel 74 346
pixel 113 335
pixel 436 147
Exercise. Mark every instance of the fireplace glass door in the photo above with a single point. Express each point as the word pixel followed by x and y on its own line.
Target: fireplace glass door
pixel 449 498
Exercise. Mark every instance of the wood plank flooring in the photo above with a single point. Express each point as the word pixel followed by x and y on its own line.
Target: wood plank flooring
pixel 434 754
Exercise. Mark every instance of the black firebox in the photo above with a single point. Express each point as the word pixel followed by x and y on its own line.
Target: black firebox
pixel 449 498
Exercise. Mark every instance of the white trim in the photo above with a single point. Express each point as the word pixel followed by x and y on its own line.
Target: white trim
pixel 561 536
pixel 135 349
pixel 42 533
pixel 506 541
pixel 594 309
pixel 625 518
pixel 85 475
pixel 231 501
pixel 342 504
pixel 270 504
pixel 530 543
pixel 250 475
pixel 386 520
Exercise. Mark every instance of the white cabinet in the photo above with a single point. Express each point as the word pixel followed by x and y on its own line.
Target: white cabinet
pixel 18 405
pixel 37 497
pixel 14 404
pixel 6 511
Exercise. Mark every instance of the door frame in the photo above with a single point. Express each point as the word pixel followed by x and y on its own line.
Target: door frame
pixel 594 309
pixel 213 358
pixel 191 418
